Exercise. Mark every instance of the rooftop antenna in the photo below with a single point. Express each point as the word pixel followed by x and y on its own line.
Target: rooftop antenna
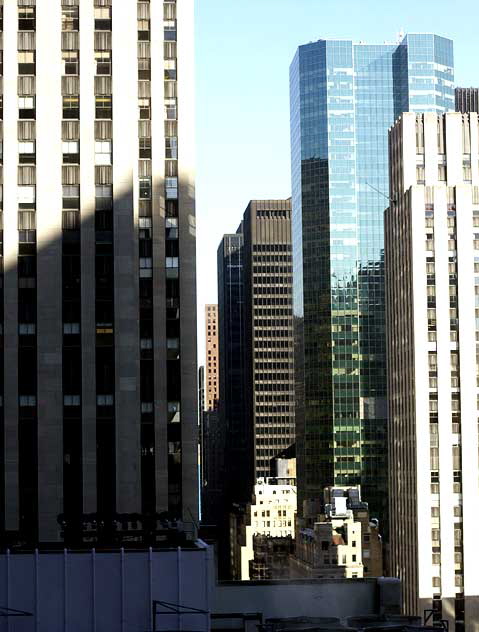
pixel 400 35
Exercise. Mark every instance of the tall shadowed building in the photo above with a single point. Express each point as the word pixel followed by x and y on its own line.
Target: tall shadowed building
pixel 99 410
pixel 268 318
pixel 232 405
pixel 256 365
pixel 344 97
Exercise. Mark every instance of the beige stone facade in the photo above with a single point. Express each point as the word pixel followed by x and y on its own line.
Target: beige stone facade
pixel 212 381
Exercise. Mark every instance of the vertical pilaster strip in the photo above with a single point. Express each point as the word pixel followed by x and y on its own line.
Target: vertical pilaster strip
pixel 10 236
pixel 418 454
pixel 446 505
pixel 159 279
pixel 49 268
pixel 468 383
pixel 87 231
pixel 187 232
pixel 125 227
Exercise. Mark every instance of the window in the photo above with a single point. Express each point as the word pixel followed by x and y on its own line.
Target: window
pixel 144 68
pixel 146 265
pixel 170 108
pixel 441 175
pixel 71 400
pixel 70 329
pixel 26 329
pixel 104 400
pixel 145 108
pixel 103 62
pixel 103 197
pixel 26 195
pixel 169 10
pixel 71 220
pixel 103 106
pixel 26 152
pixel 103 152
pixel 26 62
pixel 171 186
pixel 26 107
pixel 71 152
pixel 171 146
pixel 146 343
pixel 27 400
pixel 26 18
pixel 420 175
pixel 145 225
pixel 70 21
pixel 27 236
pixel 143 30
pixel 145 188
pixel 170 30
pixel 26 221
pixel 172 264
pixel 71 62
pixel 170 69
pixel 71 196
pixel 171 225
pixel 71 107
pixel 173 349
pixel 145 147
pixel 173 412
pixel 102 18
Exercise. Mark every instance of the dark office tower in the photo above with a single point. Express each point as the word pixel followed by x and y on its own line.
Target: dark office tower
pixel 344 97
pixel 268 316
pixel 467 100
pixel 99 321
pixel 232 406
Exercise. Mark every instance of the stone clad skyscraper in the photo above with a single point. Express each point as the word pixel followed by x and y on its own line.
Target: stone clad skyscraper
pixel 432 290
pixel 344 97
pixel 99 310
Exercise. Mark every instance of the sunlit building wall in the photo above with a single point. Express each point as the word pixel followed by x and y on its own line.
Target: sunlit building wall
pixel 432 263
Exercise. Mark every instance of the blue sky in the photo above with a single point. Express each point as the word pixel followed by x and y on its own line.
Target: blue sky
pixel 243 52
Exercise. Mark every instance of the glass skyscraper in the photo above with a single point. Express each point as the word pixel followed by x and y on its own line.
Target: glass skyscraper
pixel 344 97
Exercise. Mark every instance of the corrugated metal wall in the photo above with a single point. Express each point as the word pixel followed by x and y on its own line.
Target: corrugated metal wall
pixel 104 592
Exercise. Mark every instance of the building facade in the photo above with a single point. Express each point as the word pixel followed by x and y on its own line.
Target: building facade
pixel 99 307
pixel 232 409
pixel 467 100
pixel 271 514
pixel 271 557
pixel 269 335
pixel 339 541
pixel 344 97
pixel 212 357
pixel 432 257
